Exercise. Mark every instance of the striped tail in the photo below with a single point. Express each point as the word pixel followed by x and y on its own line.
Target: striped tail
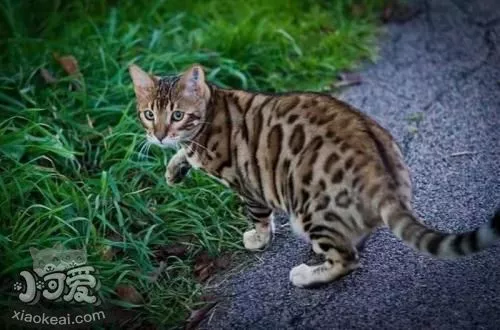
pixel 406 227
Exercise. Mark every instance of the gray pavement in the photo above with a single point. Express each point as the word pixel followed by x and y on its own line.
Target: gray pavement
pixel 443 69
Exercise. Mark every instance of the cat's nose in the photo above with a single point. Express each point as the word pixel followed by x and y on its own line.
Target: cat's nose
pixel 160 135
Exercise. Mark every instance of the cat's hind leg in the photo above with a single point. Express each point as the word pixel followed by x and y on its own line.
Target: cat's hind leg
pixel 341 256
pixel 262 218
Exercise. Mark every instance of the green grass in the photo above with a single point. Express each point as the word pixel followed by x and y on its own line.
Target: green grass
pixel 70 161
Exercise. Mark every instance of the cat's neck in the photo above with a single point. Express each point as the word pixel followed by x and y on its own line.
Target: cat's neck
pixel 224 102
pixel 224 116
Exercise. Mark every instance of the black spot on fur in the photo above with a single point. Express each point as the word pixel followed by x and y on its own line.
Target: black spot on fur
pixel 344 146
pixel 323 204
pixel 292 119
pixel 330 160
pixel 338 176
pixel 306 179
pixel 332 216
pixel 297 139
pixel 348 163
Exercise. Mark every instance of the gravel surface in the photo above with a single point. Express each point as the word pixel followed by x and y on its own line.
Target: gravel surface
pixel 436 87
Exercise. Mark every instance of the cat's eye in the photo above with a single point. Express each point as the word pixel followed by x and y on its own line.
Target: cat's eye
pixel 149 115
pixel 177 115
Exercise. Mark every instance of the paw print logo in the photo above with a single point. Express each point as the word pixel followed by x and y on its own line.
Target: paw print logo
pixel 40 285
pixel 18 286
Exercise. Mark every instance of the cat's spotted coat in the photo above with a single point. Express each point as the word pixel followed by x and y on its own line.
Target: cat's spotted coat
pixel 333 170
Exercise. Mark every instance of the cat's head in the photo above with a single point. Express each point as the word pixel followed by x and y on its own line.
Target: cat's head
pixel 171 109
pixel 74 258
pixel 47 260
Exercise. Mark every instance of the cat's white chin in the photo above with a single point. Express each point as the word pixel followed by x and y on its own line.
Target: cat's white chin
pixel 168 144
pixel 165 143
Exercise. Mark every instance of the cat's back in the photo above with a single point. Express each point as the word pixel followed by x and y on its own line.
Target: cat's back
pixel 324 116
pixel 318 128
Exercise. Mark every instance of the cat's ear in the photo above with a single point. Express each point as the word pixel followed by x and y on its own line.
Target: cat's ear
pixel 33 252
pixel 58 246
pixel 192 83
pixel 144 84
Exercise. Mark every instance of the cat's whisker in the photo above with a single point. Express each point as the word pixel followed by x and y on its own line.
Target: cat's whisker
pixel 199 145
pixel 142 146
pixel 146 153
pixel 140 155
pixel 210 152
pixel 189 148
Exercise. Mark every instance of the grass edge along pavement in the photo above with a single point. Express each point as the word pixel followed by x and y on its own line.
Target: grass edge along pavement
pixel 74 166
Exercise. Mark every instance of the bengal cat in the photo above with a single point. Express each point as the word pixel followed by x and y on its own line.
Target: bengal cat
pixel 333 170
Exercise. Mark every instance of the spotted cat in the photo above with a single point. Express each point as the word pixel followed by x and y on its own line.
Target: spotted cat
pixel 336 172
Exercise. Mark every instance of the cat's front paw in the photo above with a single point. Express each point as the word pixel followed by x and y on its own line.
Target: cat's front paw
pixel 301 275
pixel 253 240
pixel 176 174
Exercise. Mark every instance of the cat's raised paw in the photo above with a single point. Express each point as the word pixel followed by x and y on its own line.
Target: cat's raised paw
pixel 175 175
pixel 253 240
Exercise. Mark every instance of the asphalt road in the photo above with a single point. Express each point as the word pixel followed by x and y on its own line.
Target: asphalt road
pixel 436 87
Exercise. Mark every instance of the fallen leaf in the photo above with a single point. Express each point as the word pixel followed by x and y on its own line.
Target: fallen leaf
pixel 203 271
pixel 161 253
pixel 129 294
pixel 68 63
pixel 198 315
pixel 108 252
pixel 398 12
pixel 223 261
pixel 347 79
pixel 204 266
pixel 47 76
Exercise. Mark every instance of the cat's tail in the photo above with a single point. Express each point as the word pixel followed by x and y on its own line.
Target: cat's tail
pixel 404 224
